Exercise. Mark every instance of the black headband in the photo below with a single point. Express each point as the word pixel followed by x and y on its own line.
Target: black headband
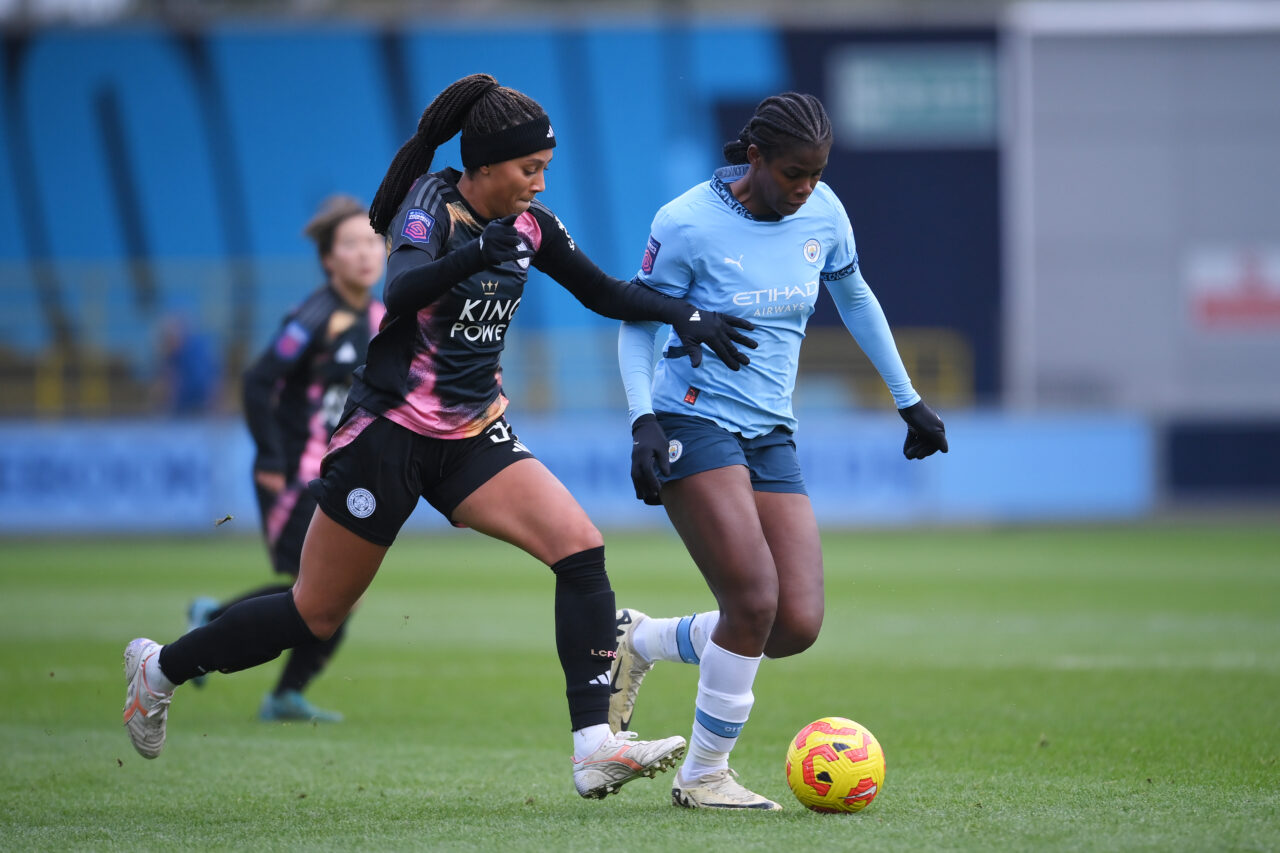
pixel 517 141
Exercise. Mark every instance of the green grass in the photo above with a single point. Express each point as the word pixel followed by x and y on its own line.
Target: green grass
pixel 1061 689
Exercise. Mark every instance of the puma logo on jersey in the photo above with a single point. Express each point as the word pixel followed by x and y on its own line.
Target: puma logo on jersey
pixel 737 263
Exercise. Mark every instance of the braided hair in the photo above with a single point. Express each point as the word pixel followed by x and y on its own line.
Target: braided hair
pixel 781 121
pixel 477 104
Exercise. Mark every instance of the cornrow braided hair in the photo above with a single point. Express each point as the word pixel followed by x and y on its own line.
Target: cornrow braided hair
pixel 781 121
pixel 477 104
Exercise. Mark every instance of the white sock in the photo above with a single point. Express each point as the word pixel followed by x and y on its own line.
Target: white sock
pixel 588 740
pixel 154 676
pixel 723 706
pixel 679 639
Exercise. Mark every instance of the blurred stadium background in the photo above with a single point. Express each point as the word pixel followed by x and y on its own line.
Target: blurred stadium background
pixel 1068 210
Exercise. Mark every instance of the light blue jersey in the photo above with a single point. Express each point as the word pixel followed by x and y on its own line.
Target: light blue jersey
pixel 707 248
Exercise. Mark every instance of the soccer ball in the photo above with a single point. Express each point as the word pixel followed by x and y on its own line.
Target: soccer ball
pixel 835 765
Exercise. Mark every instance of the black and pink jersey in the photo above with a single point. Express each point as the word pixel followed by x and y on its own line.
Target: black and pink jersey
pixel 438 373
pixel 295 391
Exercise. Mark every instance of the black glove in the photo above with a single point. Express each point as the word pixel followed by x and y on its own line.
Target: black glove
pixel 925 432
pixel 648 445
pixel 696 327
pixel 501 242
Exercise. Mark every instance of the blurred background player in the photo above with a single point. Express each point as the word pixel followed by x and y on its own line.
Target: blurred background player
pixel 425 419
pixel 755 240
pixel 293 399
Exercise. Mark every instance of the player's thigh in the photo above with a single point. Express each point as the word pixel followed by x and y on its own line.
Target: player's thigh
pixel 715 514
pixel 792 533
pixel 337 566
pixel 526 505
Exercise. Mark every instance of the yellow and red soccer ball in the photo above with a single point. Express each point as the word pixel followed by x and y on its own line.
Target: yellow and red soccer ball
pixel 835 765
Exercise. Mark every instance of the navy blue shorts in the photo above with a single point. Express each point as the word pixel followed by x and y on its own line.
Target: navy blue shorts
pixel 697 445
pixel 375 471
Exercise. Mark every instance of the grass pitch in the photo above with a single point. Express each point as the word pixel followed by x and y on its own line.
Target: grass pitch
pixel 1064 689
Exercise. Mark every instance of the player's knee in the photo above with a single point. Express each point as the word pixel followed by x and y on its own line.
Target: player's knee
pixel 795 629
pixel 793 636
pixel 322 621
pixel 581 537
pixel 323 628
pixel 752 615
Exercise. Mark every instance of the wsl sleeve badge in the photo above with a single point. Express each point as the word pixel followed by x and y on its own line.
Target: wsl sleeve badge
pixel 650 255
pixel 417 225
pixel 292 340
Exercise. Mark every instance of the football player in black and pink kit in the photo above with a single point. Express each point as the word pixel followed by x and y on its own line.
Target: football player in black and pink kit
pixel 294 394
pixel 426 419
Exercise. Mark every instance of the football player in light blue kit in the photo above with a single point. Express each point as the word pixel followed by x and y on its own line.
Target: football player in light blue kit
pixel 757 241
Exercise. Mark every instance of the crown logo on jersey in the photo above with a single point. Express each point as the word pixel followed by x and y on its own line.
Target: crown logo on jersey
pixel 490 288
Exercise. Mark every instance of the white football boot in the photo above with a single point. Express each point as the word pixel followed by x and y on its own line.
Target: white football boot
pixel 718 789
pixel 145 710
pixel 622 758
pixel 626 673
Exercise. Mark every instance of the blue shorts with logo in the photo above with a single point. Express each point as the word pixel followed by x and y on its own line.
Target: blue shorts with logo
pixel 697 445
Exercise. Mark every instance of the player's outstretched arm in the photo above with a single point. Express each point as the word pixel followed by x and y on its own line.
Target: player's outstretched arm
pixel 610 297
pixel 415 278
pixel 866 321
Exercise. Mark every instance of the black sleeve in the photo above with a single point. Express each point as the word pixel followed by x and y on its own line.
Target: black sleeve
pixel 259 399
pixel 560 258
pixel 415 279
pixel 295 341
pixel 419 270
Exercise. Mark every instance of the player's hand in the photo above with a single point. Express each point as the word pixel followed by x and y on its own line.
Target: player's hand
pixel 501 242
pixel 648 447
pixel 926 433
pixel 272 481
pixel 696 327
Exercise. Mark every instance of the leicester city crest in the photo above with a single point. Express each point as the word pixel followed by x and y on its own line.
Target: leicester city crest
pixel 361 503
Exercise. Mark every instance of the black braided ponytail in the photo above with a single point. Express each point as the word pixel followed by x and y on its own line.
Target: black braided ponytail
pixel 477 104
pixel 780 122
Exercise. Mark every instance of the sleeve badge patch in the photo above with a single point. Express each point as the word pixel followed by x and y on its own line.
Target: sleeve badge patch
pixel 650 255
pixel 418 224
pixel 292 340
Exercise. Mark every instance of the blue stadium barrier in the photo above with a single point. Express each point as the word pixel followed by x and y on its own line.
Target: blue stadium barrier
pixel 181 476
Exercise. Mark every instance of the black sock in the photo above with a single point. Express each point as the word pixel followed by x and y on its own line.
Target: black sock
pixel 249 633
pixel 270 589
pixel 586 636
pixel 306 661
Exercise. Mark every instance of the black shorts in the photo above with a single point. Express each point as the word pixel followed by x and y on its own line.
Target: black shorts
pixel 285 518
pixel 375 470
